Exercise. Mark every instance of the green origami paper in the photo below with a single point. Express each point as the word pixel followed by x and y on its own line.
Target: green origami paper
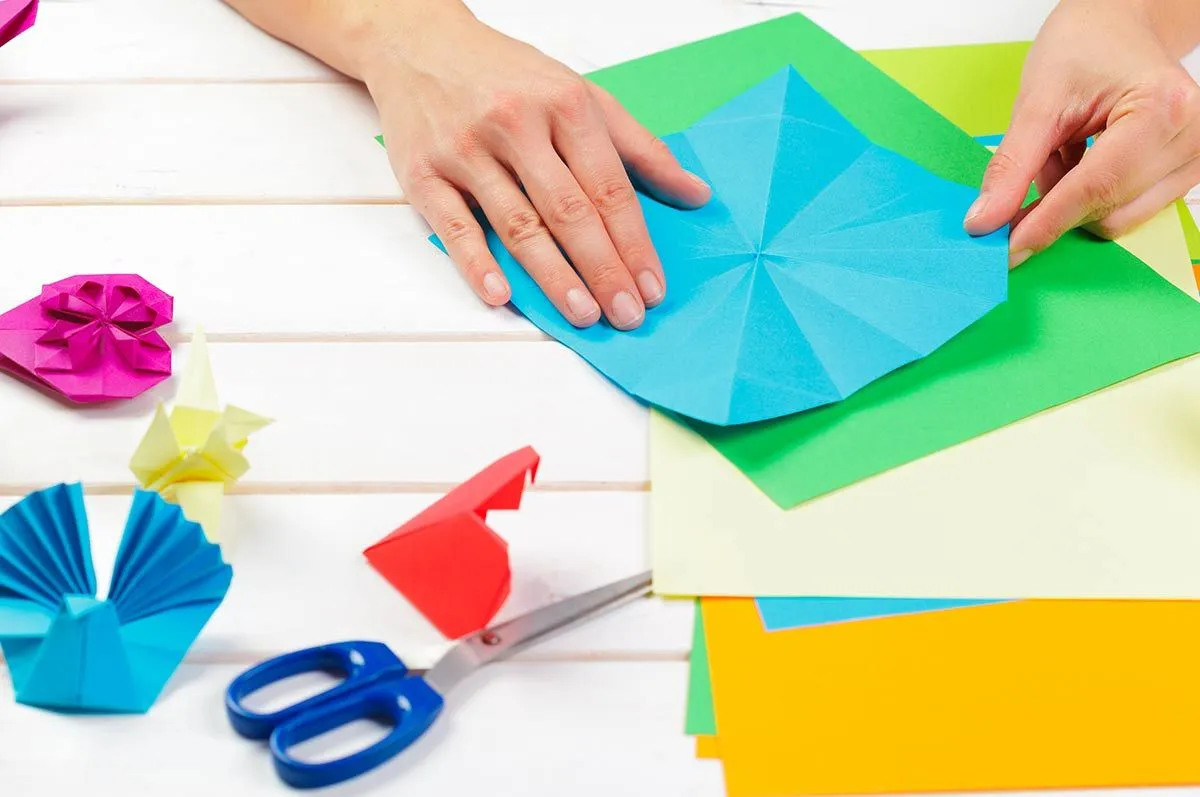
pixel 700 719
pixel 1081 316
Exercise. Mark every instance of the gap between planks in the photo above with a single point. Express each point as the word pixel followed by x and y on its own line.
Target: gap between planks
pixel 248 657
pixel 232 201
pixel 180 81
pixel 346 488
pixel 525 657
pixel 1192 198
pixel 516 336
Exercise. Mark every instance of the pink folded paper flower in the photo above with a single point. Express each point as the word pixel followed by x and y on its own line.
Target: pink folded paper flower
pixel 90 338
pixel 16 16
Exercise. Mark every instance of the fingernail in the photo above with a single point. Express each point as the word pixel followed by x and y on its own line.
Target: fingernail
pixel 493 286
pixel 699 181
pixel 1017 258
pixel 627 311
pixel 650 288
pixel 704 187
pixel 582 305
pixel 977 207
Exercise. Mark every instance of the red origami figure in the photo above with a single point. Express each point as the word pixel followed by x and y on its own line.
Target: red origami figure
pixel 446 561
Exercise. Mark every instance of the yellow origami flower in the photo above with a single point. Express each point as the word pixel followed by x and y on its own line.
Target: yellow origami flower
pixel 190 456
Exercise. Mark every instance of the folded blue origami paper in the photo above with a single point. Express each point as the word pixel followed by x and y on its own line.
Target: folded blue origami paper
pixel 822 263
pixel 68 651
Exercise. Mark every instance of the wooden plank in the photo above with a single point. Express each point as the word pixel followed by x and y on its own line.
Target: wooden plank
pixel 659 25
pixel 114 40
pixel 368 412
pixel 91 41
pixel 194 143
pixel 254 142
pixel 512 730
pixel 264 272
pixel 254 270
pixel 300 578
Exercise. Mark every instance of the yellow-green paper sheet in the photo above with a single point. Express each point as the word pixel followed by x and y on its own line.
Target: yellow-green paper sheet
pixel 1081 316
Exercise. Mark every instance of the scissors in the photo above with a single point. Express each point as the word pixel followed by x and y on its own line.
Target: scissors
pixel 377 685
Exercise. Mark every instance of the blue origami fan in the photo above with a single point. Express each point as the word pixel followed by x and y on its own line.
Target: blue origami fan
pixel 67 650
pixel 822 263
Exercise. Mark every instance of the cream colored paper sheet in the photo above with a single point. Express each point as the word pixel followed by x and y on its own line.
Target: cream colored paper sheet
pixel 1095 499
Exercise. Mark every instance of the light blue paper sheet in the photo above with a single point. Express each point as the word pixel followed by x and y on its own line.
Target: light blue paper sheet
pixel 66 650
pixel 990 141
pixel 822 263
pixel 781 614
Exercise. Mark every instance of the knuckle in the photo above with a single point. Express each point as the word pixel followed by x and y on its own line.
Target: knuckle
pixel 637 255
pixel 475 268
pixel 612 194
pixel 465 143
pixel 1104 190
pixel 456 230
pixel 419 170
pixel 505 112
pixel 656 149
pixel 1065 120
pixel 523 225
pixel 570 98
pixel 569 209
pixel 1107 229
pixel 1000 167
pixel 554 282
pixel 1181 101
pixel 606 274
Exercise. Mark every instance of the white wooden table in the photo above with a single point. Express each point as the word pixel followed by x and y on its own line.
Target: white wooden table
pixel 170 138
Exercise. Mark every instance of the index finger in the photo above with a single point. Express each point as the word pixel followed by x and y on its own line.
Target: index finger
pixel 1122 164
pixel 1020 157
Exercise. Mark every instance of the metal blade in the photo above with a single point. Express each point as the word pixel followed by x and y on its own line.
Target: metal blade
pixel 505 639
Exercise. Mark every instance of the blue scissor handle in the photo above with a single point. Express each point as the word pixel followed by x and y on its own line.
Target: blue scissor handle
pixel 357 661
pixel 406 702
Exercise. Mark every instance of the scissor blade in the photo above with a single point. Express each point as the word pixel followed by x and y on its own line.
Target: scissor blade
pixel 503 640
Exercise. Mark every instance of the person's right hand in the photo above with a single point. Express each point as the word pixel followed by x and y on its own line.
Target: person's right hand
pixel 471 116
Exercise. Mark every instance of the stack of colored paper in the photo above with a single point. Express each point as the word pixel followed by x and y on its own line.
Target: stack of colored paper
pixel 975 571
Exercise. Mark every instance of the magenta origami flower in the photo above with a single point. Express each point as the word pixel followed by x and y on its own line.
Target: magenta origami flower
pixel 16 17
pixel 90 338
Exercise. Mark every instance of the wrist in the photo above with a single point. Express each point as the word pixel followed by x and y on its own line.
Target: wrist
pixel 378 35
pixel 1176 23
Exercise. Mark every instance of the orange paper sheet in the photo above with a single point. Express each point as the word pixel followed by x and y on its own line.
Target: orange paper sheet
pixel 1023 695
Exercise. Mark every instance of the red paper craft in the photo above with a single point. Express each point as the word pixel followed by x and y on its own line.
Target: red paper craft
pixel 446 561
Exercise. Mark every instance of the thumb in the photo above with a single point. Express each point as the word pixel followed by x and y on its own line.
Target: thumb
pixel 1022 153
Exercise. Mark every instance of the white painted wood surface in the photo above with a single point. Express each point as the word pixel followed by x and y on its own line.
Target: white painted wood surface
pixel 174 140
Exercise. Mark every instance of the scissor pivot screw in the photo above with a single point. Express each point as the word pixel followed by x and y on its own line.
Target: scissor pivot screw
pixel 491 638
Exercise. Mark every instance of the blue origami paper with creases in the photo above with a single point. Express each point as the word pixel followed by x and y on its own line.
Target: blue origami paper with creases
pixel 822 263
pixel 66 650
pixel 782 614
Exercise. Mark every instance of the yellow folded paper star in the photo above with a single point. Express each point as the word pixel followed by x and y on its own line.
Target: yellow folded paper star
pixel 192 455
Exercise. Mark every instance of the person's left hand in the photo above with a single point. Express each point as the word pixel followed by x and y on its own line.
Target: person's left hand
pixel 1097 68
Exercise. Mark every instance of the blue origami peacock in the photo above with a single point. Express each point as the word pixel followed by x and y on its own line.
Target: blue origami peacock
pixel 66 649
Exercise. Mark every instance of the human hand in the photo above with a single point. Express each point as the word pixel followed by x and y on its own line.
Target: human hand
pixel 1108 68
pixel 472 116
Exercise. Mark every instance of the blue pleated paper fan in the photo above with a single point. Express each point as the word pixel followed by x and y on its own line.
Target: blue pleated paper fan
pixel 68 650
pixel 822 263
